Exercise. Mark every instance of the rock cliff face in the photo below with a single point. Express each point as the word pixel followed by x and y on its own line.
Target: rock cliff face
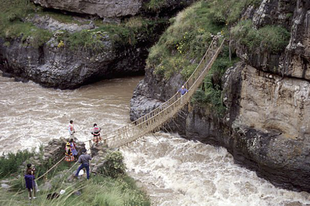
pixel 267 99
pixel 102 8
pixel 56 67
pixel 54 64
pixel 113 9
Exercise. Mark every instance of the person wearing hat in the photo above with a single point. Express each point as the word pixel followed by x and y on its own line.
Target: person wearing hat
pixel 84 160
pixel 69 157
pixel 73 149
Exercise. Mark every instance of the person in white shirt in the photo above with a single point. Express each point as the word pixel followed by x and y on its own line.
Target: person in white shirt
pixel 71 129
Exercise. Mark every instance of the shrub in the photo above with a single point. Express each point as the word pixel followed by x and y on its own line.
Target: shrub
pixel 154 5
pixel 271 38
pixel 183 43
pixel 229 11
pixel 11 162
pixel 211 91
pixel 114 165
pixel 12 26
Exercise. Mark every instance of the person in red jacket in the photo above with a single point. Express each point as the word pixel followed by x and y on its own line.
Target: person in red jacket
pixel 96 134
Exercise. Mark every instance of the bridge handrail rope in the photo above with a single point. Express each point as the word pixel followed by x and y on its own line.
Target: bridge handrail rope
pixel 153 120
pixel 50 169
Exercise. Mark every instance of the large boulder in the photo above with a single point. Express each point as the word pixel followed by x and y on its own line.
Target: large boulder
pixel 55 66
pixel 102 8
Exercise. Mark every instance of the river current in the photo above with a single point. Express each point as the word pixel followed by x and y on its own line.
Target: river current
pixel 173 171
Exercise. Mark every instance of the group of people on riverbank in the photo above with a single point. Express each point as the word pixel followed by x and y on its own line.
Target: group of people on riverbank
pixel 71 151
pixel 70 148
pixel 95 131
pixel 71 154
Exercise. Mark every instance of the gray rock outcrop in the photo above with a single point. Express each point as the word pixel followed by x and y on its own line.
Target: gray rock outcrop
pixel 66 64
pixel 48 23
pixel 54 66
pixel 102 8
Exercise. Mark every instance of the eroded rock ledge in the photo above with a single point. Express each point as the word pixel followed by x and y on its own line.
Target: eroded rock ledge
pixel 102 8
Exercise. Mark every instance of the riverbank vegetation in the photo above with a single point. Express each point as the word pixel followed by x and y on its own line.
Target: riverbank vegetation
pixel 15 24
pixel 272 38
pixel 12 24
pixel 111 186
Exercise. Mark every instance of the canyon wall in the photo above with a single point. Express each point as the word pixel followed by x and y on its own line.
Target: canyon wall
pixel 266 96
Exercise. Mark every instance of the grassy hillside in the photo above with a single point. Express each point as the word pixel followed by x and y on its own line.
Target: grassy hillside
pixel 112 186
pixel 181 47
pixel 13 25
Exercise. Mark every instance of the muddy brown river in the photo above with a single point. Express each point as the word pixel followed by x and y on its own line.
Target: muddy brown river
pixel 173 171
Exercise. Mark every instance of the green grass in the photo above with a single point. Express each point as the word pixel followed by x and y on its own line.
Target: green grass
pixel 270 38
pixel 154 5
pixel 125 34
pixel 184 42
pixel 108 188
pixel 12 13
pixel 63 18
pixel 122 35
pixel 11 162
pixel 211 94
pixel 226 12
pixel 99 190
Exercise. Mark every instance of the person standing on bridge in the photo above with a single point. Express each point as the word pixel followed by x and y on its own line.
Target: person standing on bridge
pixel 182 91
pixel 84 160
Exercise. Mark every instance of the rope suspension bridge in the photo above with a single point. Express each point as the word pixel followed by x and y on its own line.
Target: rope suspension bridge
pixel 153 120
pixel 156 118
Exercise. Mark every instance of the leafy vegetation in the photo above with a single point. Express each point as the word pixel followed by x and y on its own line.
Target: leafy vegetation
pixel 273 38
pixel 211 91
pixel 13 26
pixel 114 166
pixel 154 5
pixel 184 42
pixel 226 12
pixel 11 162
pixel 114 187
pixel 12 13
pixel 98 190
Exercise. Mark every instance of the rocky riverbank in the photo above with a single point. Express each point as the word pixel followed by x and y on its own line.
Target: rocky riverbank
pixel 65 45
pixel 266 99
pixel 58 185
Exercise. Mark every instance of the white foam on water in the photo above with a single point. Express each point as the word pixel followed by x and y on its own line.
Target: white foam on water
pixel 193 173
pixel 33 115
